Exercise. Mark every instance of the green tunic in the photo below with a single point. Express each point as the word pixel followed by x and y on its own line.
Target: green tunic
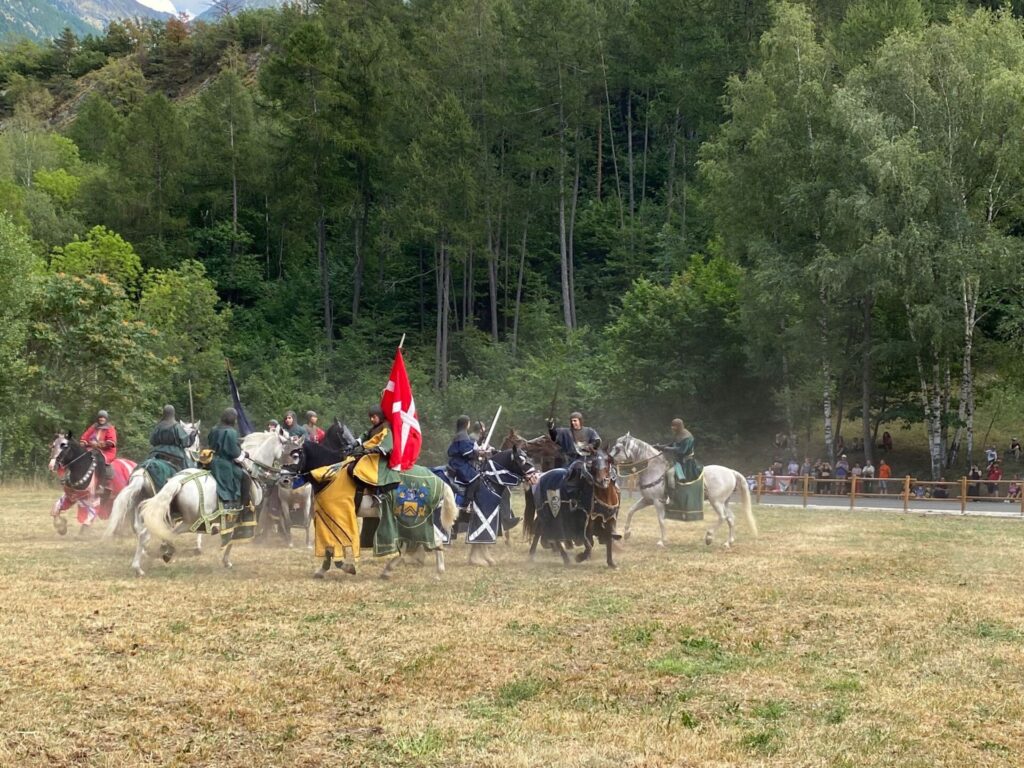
pixel 687 467
pixel 169 442
pixel 296 430
pixel 224 442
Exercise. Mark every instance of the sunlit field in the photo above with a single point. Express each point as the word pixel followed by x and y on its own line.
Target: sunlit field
pixel 834 639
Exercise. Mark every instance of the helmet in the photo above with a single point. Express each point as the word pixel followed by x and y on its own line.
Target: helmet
pixel 677 425
pixel 461 423
pixel 289 413
pixel 102 415
pixel 169 413
pixel 229 416
pixel 311 415
pixel 576 415
pixel 376 410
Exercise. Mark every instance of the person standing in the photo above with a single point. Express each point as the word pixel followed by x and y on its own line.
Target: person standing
pixel 884 473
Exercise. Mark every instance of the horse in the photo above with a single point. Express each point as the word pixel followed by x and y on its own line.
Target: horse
pixel 569 506
pixel 542 450
pixel 339 441
pixel 80 469
pixel 504 470
pixel 395 500
pixel 188 502
pixel 720 483
pixel 144 483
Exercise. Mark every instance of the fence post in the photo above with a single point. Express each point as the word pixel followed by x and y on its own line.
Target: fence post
pixel 760 482
pixel 906 493
pixel 807 483
pixel 853 491
pixel 963 495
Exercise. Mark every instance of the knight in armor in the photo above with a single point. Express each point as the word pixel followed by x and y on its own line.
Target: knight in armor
pixel 685 468
pixel 101 436
pixel 169 441
pixel 291 427
pixel 233 483
pixel 575 441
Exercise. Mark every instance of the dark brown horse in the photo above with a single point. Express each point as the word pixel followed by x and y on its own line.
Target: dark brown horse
pixel 542 451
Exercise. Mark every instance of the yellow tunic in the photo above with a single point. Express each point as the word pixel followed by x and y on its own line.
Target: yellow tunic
pixel 335 524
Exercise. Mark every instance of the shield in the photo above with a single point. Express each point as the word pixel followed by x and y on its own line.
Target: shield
pixel 554 502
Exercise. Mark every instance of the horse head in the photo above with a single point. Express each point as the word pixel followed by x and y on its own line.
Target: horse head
pixel 623 448
pixel 522 465
pixel 339 437
pixel 58 448
pixel 601 468
pixel 512 440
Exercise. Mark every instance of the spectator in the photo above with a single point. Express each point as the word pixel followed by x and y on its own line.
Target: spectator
pixel 886 442
pixel 918 491
pixel 769 480
pixel 793 470
pixel 807 469
pixel 842 474
pixel 1013 492
pixel 974 488
pixel 941 492
pixel 856 473
pixel 884 473
pixel 990 455
pixel 869 476
pixel 826 485
pixel 995 474
pixel 1015 448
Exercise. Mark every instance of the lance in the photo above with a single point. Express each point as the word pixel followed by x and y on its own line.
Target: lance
pixel 490 432
pixel 191 408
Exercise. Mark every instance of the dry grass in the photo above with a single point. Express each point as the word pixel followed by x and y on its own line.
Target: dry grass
pixel 834 639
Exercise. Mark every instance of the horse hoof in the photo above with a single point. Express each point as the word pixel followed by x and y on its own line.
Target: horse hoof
pixel 613 566
pixel 139 573
pixel 229 565
pixel 347 568
pixel 385 576
pixel 660 544
pixel 319 574
pixel 581 557
pixel 707 538
pixel 627 534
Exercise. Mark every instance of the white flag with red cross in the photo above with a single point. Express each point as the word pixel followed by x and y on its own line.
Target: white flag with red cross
pixel 400 410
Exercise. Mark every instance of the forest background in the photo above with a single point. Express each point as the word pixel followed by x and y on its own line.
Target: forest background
pixel 761 217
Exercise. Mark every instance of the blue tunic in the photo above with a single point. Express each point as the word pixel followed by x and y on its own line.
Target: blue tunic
pixel 462 458
pixel 569 441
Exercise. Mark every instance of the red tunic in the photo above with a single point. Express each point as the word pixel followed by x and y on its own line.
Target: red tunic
pixel 106 439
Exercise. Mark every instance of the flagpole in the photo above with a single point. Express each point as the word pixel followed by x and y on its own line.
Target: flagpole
pixel 191 409
pixel 402 341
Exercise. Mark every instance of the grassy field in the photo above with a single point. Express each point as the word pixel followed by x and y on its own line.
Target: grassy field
pixel 833 640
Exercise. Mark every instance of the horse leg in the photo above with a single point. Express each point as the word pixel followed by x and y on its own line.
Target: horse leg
pixel 710 534
pixel 485 550
pixel 588 543
pixel 476 557
pixel 325 565
pixel 140 550
pixel 225 559
pixel 419 554
pixel 731 520
pixel 640 503
pixel 348 563
pixel 533 546
pixel 610 560
pixel 439 559
pixel 563 553
pixel 389 568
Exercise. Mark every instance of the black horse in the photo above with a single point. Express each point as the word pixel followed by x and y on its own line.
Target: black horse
pixel 570 506
pixel 491 512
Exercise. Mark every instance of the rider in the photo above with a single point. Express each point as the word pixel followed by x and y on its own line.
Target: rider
pixel 575 441
pixel 101 436
pixel 170 441
pixel 336 530
pixel 685 468
pixel 291 428
pixel 463 455
pixel 233 482
pixel 313 432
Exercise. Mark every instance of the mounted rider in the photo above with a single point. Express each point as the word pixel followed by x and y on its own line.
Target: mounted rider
pixel 335 526
pixel 233 482
pixel 576 441
pixel 313 432
pixel 291 427
pixel 169 441
pixel 684 471
pixel 101 436
pixel 463 457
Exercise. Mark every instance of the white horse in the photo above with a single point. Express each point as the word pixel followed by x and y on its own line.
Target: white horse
pixel 140 487
pixel 192 493
pixel 720 483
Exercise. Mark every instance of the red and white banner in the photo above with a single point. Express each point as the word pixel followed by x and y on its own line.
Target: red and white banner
pixel 400 410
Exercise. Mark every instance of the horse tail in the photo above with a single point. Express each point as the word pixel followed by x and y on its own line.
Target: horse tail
pixel 156 512
pixel 529 514
pixel 449 508
pixel 741 483
pixel 125 502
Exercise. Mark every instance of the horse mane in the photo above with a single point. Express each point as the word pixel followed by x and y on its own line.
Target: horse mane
pixel 255 440
pixel 317 456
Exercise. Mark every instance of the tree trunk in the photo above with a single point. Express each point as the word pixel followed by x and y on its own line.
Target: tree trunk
pixel 443 296
pixel 600 156
pixel 629 153
pixel 828 384
pixel 359 238
pixel 965 412
pixel 867 304
pixel 670 189
pixel 571 241
pixel 519 283
pixel 493 252
pixel 325 276
pixel 563 246
pixel 611 141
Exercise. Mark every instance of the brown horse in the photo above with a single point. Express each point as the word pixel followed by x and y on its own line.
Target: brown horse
pixel 542 451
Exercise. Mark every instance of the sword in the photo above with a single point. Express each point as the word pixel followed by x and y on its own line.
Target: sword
pixel 554 401
pixel 490 432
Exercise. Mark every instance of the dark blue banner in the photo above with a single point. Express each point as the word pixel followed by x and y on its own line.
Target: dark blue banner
pixel 244 427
